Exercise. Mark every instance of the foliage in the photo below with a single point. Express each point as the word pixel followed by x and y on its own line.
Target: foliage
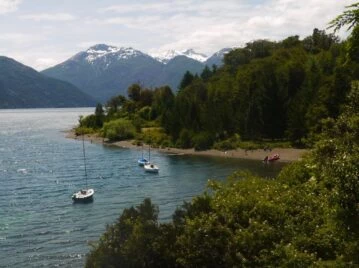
pixel 308 216
pixel 154 136
pixel 349 18
pixel 83 130
pixel 119 129
pixel 228 144
pixel 265 92
pixel 186 80
pixel 202 141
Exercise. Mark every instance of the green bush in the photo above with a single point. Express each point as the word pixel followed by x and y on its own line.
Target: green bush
pixel 202 141
pixel 228 144
pixel 91 121
pixel 83 130
pixel 120 129
pixel 145 113
pixel 155 136
pixel 185 139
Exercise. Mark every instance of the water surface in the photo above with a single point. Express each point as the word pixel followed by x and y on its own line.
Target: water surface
pixel 40 169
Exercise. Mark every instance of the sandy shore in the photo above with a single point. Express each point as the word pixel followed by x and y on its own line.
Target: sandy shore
pixel 286 154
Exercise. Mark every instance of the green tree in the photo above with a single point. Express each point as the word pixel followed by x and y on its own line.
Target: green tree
pixel 134 92
pixel 99 115
pixel 114 104
pixel 186 80
pixel 206 73
pixel 119 129
pixel 349 18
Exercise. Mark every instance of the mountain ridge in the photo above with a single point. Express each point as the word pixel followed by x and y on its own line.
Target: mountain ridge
pixel 103 71
pixel 23 87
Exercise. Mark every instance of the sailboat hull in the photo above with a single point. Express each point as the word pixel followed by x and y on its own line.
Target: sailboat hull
pixel 150 168
pixel 83 196
pixel 142 162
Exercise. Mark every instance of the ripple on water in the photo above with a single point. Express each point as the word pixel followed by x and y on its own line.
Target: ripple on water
pixel 39 224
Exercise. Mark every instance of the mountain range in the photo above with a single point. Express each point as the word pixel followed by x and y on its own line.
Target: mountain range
pixel 103 71
pixel 23 87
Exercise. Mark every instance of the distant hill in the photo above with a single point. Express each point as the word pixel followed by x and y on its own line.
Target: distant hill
pixel 23 87
pixel 103 71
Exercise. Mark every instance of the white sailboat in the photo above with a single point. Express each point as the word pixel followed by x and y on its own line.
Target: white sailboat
pixel 142 161
pixel 84 195
pixel 150 167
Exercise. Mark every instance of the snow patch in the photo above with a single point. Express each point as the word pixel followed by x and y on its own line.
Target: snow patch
pixel 107 53
pixel 168 55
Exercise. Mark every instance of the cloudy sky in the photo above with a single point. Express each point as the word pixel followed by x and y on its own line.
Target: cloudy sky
pixel 42 33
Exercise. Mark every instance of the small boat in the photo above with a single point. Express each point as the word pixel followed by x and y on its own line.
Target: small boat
pixel 151 168
pixel 273 158
pixel 142 161
pixel 84 195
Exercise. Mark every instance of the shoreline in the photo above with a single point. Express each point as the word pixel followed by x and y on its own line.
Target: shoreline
pixel 286 154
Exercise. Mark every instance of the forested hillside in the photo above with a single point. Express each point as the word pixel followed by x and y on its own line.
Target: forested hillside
pixel 308 215
pixel 268 90
pixel 265 91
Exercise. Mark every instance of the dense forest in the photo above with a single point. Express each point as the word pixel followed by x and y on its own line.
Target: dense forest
pixel 301 90
pixel 307 217
pixel 265 91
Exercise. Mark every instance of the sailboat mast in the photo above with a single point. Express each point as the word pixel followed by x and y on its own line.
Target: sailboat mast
pixel 149 153
pixel 83 150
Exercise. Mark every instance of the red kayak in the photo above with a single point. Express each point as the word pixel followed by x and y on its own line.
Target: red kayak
pixel 273 157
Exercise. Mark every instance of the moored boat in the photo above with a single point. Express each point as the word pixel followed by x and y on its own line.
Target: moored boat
pixel 141 162
pixel 151 168
pixel 85 195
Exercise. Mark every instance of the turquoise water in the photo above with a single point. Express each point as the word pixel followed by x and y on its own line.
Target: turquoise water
pixel 40 169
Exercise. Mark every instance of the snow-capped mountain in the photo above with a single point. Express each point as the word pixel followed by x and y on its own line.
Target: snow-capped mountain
pixel 102 51
pixel 104 55
pixel 190 53
pixel 168 55
pixel 217 58
pixel 103 71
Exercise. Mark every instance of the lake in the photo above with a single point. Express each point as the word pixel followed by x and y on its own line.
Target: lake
pixel 40 169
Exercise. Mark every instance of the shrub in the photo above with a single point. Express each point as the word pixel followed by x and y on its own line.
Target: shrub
pixel 119 129
pixel 202 141
pixel 228 144
pixel 185 139
pixel 145 113
pixel 154 136
pixel 91 121
pixel 83 130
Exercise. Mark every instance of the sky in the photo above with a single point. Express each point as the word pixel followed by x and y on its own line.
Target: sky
pixel 43 33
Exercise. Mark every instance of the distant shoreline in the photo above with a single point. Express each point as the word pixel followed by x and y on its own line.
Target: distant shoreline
pixel 286 154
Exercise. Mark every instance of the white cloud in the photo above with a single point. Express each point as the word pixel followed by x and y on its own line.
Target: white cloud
pixel 216 24
pixel 49 17
pixel 161 7
pixel 152 25
pixel 43 63
pixel 38 59
pixel 7 6
pixel 20 38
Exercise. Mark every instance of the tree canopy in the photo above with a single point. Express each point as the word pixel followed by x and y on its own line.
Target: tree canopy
pixel 308 216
